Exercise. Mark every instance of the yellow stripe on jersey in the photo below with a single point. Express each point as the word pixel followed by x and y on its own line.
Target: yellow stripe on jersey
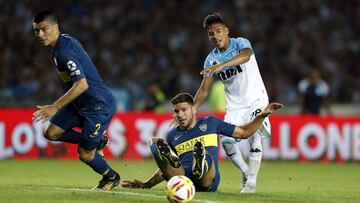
pixel 64 76
pixel 207 140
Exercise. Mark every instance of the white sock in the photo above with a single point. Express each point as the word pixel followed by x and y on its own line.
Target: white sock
pixel 233 152
pixel 254 157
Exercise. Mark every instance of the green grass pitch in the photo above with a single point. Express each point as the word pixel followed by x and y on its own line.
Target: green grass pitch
pixel 70 181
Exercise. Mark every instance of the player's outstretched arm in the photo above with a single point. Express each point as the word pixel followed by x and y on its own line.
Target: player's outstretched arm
pixel 200 96
pixel 76 90
pixel 153 180
pixel 247 130
pixel 45 112
pixel 242 57
pixel 203 91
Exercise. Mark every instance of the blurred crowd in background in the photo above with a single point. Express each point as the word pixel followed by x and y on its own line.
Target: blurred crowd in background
pixel 149 50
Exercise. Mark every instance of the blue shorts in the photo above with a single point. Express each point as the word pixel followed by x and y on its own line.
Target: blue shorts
pixel 212 188
pixel 93 125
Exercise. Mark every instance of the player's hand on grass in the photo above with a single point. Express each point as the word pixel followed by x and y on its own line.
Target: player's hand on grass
pixel 212 69
pixel 270 109
pixel 44 113
pixel 133 184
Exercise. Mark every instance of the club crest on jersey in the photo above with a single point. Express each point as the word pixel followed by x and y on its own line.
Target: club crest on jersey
pixel 71 65
pixel 203 127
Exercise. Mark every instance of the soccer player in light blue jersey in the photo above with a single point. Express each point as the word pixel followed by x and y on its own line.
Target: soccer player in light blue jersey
pixel 87 103
pixel 233 62
pixel 191 149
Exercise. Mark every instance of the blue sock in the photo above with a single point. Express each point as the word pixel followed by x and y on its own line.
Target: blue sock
pixel 99 165
pixel 155 152
pixel 70 136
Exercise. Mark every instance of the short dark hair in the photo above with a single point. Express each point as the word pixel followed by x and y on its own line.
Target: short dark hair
pixel 182 97
pixel 45 15
pixel 213 18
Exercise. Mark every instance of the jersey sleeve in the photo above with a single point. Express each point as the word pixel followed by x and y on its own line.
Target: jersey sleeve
pixel 169 140
pixel 207 62
pixel 168 137
pixel 222 127
pixel 69 60
pixel 242 43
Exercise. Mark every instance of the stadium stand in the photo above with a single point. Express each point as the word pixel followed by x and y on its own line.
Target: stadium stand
pixel 136 42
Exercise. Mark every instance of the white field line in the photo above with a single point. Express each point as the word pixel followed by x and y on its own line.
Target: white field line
pixel 130 193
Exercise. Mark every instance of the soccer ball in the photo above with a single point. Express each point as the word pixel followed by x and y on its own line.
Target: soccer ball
pixel 180 189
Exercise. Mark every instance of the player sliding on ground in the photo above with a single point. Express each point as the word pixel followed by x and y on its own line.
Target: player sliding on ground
pixel 191 149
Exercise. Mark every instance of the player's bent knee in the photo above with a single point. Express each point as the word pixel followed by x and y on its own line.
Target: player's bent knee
pixel 53 132
pixel 86 156
pixel 154 139
pixel 228 140
pixel 51 135
pixel 230 149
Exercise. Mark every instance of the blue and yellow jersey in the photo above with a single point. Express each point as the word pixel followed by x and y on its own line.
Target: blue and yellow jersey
pixel 73 63
pixel 206 131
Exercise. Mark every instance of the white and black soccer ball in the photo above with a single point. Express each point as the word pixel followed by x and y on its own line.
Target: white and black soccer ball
pixel 180 189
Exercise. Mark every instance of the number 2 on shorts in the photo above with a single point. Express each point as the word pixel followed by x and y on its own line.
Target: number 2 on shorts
pixel 98 126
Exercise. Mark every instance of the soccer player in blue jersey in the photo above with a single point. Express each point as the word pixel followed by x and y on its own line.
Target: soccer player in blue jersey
pixel 191 149
pixel 88 103
pixel 233 62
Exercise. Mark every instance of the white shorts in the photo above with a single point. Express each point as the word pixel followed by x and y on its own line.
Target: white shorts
pixel 245 115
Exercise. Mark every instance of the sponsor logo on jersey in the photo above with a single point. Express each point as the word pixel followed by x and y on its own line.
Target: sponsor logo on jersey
pixel 77 72
pixel 177 137
pixel 229 72
pixel 71 65
pixel 187 146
